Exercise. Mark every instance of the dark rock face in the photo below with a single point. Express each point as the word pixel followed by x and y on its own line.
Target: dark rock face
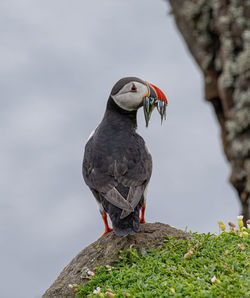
pixel 217 34
pixel 105 251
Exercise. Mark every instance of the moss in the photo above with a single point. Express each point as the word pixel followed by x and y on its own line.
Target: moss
pixel 239 174
pixel 204 266
pixel 243 62
pixel 241 98
pixel 236 12
pixel 246 36
pixel 241 148
pixel 236 70
pixel 242 118
pixel 198 16
pixel 190 10
pixel 226 80
pixel 228 47
pixel 216 5
pixel 239 124
pixel 218 64
pixel 224 22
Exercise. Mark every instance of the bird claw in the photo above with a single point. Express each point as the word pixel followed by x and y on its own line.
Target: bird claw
pixel 106 225
pixel 106 231
pixel 142 220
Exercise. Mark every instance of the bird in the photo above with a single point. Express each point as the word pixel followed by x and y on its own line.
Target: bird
pixel 117 164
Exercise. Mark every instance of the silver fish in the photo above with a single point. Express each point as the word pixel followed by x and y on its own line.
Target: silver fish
pixel 161 107
pixel 148 105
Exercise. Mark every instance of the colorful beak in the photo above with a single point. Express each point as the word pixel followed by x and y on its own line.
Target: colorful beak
pixel 154 98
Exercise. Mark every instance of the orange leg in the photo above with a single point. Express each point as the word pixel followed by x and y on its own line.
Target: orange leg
pixel 142 219
pixel 106 224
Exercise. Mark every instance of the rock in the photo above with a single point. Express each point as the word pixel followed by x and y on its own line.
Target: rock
pixel 217 34
pixel 105 251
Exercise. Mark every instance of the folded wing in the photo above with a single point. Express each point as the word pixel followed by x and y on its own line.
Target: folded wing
pixel 119 178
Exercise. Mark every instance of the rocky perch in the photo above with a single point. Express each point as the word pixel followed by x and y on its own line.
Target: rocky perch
pixel 105 251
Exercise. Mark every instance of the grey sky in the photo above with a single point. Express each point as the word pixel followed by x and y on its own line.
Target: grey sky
pixel 58 63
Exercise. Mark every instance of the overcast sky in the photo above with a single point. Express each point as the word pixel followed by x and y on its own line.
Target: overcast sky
pixel 59 60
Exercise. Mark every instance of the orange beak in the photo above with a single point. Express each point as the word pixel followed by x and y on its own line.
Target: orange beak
pixel 160 95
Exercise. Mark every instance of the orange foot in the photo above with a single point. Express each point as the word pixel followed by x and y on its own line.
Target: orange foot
pixel 142 219
pixel 107 228
pixel 106 231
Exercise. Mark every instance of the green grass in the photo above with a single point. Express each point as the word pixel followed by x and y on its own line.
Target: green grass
pixel 213 266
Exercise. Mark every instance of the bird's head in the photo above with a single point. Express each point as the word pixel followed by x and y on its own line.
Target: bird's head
pixel 131 93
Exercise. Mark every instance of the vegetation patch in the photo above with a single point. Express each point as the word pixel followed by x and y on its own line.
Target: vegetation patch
pixel 206 265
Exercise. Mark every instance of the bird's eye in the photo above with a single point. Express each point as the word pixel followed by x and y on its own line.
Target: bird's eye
pixel 133 88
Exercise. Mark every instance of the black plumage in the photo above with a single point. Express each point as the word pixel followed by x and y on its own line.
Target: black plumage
pixel 117 165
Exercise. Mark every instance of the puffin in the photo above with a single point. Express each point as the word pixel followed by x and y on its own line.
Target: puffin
pixel 117 165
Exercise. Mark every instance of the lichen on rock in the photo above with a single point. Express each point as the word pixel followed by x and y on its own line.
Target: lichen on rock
pixel 218 36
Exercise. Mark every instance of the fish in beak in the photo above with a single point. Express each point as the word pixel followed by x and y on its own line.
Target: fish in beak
pixel 154 98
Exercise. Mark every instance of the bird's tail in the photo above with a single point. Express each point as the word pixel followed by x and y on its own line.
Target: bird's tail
pixel 128 225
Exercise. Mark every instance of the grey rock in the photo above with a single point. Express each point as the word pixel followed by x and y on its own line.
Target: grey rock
pixel 105 251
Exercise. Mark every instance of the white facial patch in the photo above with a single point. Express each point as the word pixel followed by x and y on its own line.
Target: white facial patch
pixel 130 100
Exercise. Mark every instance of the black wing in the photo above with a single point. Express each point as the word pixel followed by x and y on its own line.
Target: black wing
pixel 107 170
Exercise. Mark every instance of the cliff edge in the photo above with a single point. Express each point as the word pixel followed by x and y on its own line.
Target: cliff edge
pixel 105 251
